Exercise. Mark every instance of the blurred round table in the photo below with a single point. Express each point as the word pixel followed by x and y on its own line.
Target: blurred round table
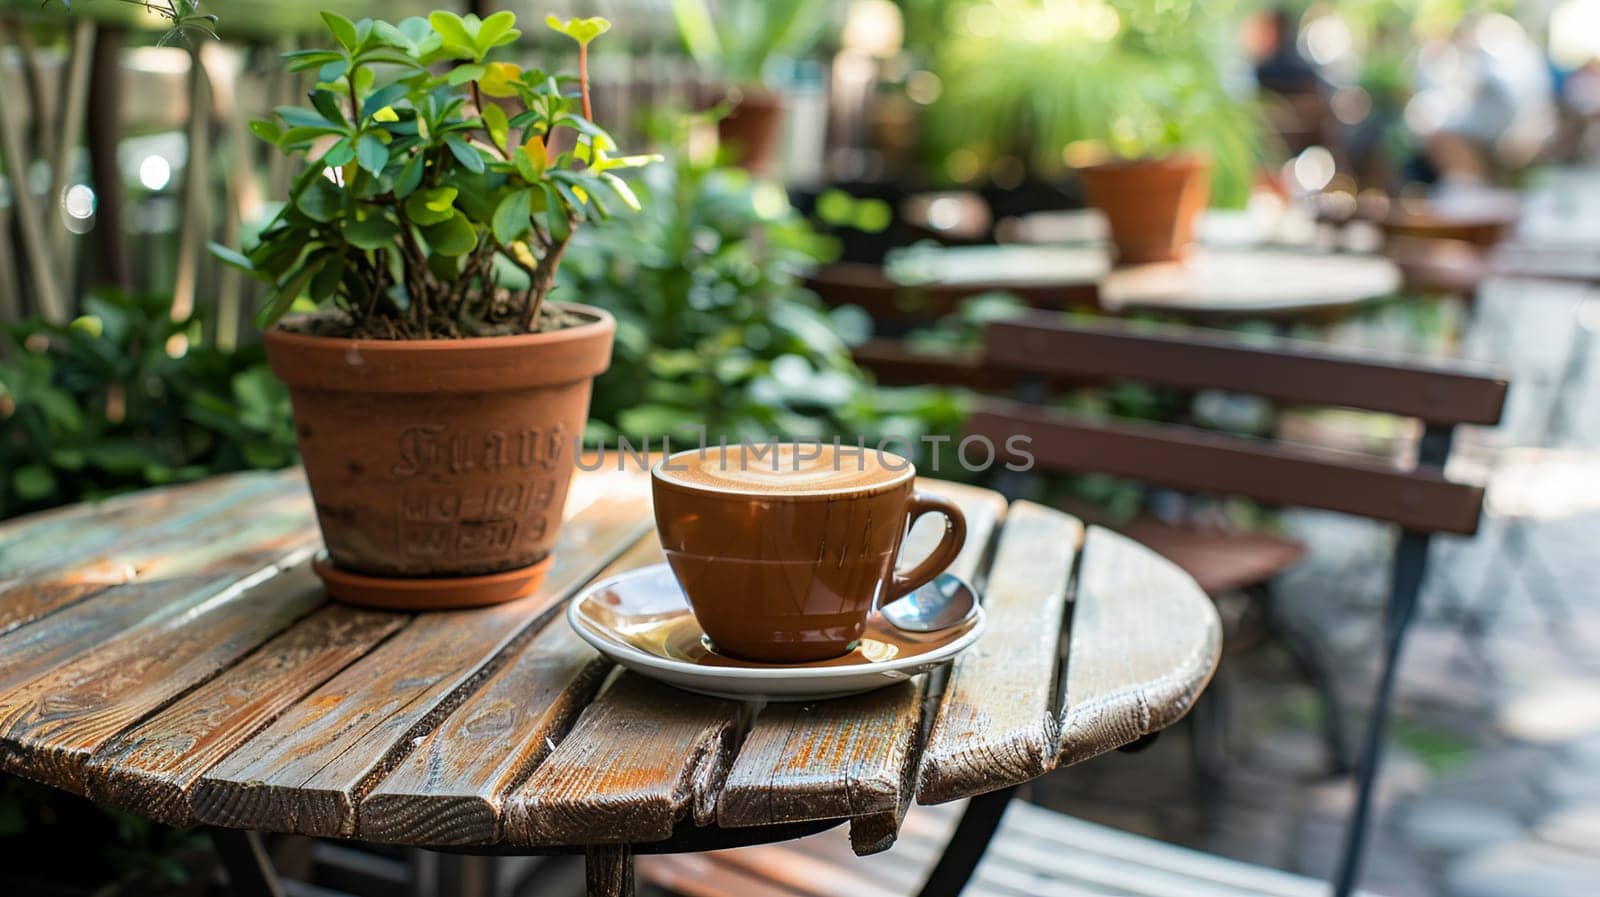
pixel 1214 283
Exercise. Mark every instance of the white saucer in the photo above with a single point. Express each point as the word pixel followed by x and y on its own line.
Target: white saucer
pixel 641 620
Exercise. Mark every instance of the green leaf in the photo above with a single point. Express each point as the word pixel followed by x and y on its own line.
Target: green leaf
pixel 475 197
pixel 621 188
pixel 297 136
pixel 327 103
pixel 266 130
pixel 300 117
pixel 289 290
pixel 390 36
pixel 334 70
pixel 461 74
pixel 370 229
pixel 531 159
pixel 699 32
pixel 301 60
pixel 511 217
pixel 497 31
pixel 444 267
pixel 67 458
pixel 431 206
pixel 339 154
pixel 494 121
pixel 344 30
pixel 452 237
pixel 453 31
pixel 560 226
pixel 465 154
pixel 229 256
pixel 387 95
pixel 33 482
pixel 415 29
pixel 371 153
pixel 581 30
pixel 321 200
pixel 410 176
pixel 574 202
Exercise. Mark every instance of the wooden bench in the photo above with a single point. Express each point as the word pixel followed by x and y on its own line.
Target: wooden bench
pixel 1036 852
pixel 1417 496
pixel 896 307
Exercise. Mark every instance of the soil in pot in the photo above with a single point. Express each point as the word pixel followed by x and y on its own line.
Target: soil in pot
pixel 752 131
pixel 439 468
pixel 1150 204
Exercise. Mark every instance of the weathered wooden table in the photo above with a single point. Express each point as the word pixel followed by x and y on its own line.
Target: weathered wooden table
pixel 169 653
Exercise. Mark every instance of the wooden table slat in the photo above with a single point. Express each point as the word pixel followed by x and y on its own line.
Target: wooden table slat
pixel 996 721
pixel 307 772
pixel 256 521
pixel 34 543
pixel 855 756
pixel 1145 641
pixel 449 790
pixel 149 769
pixel 641 758
pixel 49 728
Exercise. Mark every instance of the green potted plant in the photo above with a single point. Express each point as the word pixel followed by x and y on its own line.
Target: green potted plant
pixel 736 45
pixel 1151 173
pixel 438 394
pixel 1129 98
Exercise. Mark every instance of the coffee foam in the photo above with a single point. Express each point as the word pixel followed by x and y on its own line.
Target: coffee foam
pixel 785 468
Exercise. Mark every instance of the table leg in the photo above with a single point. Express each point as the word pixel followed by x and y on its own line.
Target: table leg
pixel 245 859
pixel 608 870
pixel 967 844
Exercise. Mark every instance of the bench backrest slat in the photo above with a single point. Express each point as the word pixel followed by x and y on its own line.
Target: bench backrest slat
pixel 1284 370
pixel 1197 460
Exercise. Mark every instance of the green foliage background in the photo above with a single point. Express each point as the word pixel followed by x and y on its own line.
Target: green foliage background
pixel 714 326
pixel 109 403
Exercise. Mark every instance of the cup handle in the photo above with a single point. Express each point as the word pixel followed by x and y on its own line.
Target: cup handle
pixel 944 554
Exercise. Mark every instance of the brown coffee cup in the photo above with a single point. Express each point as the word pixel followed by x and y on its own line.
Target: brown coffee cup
pixel 784 550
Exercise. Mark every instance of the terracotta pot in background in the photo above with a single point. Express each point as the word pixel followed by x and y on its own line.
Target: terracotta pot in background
pixel 752 132
pixel 1150 204
pixel 439 468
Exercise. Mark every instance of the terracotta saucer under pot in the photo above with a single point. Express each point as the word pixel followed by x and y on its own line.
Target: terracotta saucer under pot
pixel 430 593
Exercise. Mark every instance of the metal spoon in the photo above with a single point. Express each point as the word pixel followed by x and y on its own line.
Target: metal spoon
pixel 944 602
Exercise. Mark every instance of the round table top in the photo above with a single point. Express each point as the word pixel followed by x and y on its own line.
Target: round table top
pixel 169 653
pixel 1213 281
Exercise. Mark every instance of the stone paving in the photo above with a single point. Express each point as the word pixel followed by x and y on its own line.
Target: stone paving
pixel 1491 787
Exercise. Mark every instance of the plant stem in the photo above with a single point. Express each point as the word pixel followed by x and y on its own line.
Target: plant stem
pixel 583 79
pixel 355 103
pixel 544 280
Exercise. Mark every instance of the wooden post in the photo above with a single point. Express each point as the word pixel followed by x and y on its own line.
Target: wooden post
pixel 51 303
pixel 105 133
pixel 192 229
pixel 242 193
pixel 608 870
pixel 77 100
pixel 10 298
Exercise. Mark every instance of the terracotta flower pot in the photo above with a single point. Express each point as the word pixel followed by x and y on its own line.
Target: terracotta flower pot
pixel 1150 204
pixel 752 131
pixel 439 468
